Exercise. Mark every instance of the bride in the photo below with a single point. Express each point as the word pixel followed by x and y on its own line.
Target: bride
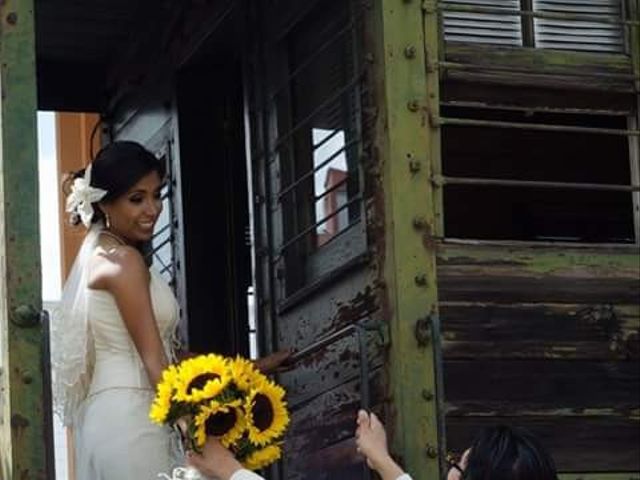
pixel 112 335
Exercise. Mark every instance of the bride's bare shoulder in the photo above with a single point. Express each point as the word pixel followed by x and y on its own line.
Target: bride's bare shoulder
pixel 112 265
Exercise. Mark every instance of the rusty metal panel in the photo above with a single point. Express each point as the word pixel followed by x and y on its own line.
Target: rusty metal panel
pixel 23 433
pixel 325 303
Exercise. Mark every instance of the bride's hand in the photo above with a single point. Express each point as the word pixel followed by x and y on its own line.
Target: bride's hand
pixel 276 362
pixel 214 461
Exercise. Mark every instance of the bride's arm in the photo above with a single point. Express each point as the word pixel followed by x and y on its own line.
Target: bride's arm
pixel 125 275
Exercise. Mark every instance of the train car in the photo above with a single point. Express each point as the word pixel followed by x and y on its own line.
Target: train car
pixel 436 203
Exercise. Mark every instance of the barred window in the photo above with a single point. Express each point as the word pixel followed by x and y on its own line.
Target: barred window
pixel 317 147
pixel 163 243
pixel 559 175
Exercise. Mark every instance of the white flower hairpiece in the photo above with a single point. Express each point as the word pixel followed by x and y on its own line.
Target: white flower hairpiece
pixel 79 201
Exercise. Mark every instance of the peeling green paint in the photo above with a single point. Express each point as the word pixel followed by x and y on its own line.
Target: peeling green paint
pixel 21 429
pixel 542 59
pixel 620 262
pixel 404 139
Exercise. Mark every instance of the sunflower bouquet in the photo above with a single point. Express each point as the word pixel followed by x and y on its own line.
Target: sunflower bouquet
pixel 228 398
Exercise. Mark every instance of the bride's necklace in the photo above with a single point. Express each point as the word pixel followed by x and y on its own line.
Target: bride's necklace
pixel 114 236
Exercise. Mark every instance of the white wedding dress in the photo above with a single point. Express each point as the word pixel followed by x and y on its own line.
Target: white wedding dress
pixel 114 438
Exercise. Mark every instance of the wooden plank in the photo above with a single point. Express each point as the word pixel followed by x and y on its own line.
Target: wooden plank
pixel 527 274
pixel 555 388
pixel 576 444
pixel 540 331
pixel 536 97
pixel 538 67
pixel 540 60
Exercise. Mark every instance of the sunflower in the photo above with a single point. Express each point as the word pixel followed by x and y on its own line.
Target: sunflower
pixel 244 373
pixel 261 458
pixel 162 402
pixel 266 410
pixel 201 378
pixel 225 421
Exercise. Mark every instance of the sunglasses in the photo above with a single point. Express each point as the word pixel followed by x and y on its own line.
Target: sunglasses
pixel 452 463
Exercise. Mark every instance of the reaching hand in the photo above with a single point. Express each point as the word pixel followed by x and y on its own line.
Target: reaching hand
pixel 371 440
pixel 275 362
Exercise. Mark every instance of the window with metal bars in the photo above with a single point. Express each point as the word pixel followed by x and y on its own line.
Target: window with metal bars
pixel 162 251
pixel 578 25
pixel 317 145
pixel 539 174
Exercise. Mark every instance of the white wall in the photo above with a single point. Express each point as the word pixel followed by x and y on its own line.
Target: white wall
pixel 50 248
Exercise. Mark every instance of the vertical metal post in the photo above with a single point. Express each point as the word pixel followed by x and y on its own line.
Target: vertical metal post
pixel 22 429
pixel 406 39
pixel 527 22
pixel 433 42
pixel 634 122
pixel 365 394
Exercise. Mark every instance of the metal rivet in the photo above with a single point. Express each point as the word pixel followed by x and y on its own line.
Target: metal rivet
pixel 27 378
pixel 437 181
pixel 427 395
pixel 422 332
pixel 414 166
pixel 12 18
pixel 421 279
pixel 413 106
pixel 432 452
pixel 18 422
pixel 410 52
pixel 25 316
pixel 419 223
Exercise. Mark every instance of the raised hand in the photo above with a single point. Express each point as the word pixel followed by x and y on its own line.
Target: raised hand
pixel 276 362
pixel 371 441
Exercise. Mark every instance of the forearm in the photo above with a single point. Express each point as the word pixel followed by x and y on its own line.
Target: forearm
pixel 388 469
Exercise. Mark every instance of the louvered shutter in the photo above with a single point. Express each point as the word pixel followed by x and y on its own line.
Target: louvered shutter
pixel 480 27
pixel 594 36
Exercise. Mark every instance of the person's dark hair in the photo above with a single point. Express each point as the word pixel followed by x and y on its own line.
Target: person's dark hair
pixel 116 168
pixel 506 453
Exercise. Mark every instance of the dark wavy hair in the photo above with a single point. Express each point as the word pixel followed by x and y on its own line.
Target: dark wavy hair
pixel 116 168
pixel 508 453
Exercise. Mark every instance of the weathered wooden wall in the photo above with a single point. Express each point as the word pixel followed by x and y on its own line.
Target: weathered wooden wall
pixel 546 338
